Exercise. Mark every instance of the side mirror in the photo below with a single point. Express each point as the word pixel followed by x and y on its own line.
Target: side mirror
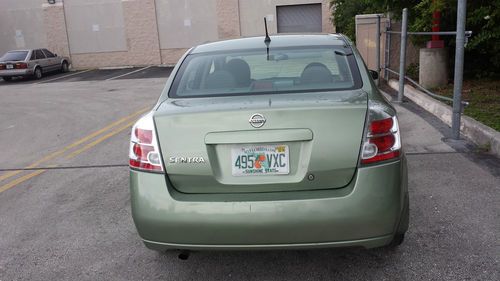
pixel 55 55
pixel 374 74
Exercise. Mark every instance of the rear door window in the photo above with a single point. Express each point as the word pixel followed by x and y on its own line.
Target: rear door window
pixel 48 53
pixel 254 72
pixel 39 55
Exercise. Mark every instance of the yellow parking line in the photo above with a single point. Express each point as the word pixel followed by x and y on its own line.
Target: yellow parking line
pixel 10 174
pixel 20 180
pixel 124 119
pixel 80 141
pixel 99 140
pixel 73 154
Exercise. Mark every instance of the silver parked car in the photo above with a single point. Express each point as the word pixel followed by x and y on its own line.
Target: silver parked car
pixel 35 62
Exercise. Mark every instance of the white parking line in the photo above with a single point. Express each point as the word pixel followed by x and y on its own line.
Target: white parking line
pixel 64 76
pixel 128 73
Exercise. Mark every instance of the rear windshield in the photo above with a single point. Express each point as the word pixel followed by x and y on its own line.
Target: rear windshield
pixel 14 56
pixel 249 72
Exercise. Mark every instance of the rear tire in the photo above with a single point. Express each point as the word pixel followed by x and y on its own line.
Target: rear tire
pixel 64 67
pixel 7 79
pixel 38 73
pixel 399 237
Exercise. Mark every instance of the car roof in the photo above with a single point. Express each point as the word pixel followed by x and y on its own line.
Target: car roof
pixel 277 41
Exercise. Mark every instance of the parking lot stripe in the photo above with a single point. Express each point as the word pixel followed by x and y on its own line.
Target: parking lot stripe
pixel 99 140
pixel 64 76
pixel 80 141
pixel 128 73
pixel 20 180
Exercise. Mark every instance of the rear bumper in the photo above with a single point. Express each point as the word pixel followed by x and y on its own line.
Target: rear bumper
pixel 15 72
pixel 366 213
pixel 366 243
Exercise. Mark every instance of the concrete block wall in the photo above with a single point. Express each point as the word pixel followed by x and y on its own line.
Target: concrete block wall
pixel 327 21
pixel 228 19
pixel 54 20
pixel 141 29
pixel 142 40
pixel 171 56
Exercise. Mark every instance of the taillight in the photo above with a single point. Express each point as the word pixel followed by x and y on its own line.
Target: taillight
pixel 382 142
pixel 144 153
pixel 20 65
pixel 2 66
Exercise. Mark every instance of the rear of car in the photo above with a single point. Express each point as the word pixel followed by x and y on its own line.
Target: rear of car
pixel 256 147
pixel 15 63
pixel 27 63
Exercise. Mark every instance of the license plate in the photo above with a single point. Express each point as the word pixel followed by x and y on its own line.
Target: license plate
pixel 10 66
pixel 260 160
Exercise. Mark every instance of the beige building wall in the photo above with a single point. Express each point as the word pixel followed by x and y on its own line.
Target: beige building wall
pixel 98 33
pixel 172 56
pixel 184 23
pixel 22 25
pixel 95 26
pixel 53 16
pixel 228 19
pixel 141 39
pixel 252 13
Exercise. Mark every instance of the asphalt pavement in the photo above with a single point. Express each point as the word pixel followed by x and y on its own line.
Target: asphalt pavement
pixel 118 73
pixel 66 216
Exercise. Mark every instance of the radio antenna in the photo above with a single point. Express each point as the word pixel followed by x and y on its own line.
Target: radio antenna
pixel 268 39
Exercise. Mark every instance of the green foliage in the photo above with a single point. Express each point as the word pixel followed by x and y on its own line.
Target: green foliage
pixel 484 47
pixel 484 98
pixel 412 70
pixel 482 58
pixel 346 10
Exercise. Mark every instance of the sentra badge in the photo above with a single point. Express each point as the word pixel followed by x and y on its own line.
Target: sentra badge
pixel 188 160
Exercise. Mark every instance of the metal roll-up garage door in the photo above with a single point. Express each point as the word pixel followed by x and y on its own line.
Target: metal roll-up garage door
pixel 299 18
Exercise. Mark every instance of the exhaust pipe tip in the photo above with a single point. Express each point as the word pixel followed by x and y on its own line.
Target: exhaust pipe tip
pixel 184 255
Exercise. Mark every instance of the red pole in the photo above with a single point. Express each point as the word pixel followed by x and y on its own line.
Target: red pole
pixel 436 23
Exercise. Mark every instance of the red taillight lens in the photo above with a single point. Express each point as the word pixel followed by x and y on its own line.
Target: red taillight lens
pixel 2 66
pixel 144 151
pixel 144 136
pixel 382 142
pixel 381 126
pixel 21 65
pixel 381 157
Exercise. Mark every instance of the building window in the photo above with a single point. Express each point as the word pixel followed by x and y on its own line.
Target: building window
pixel 299 18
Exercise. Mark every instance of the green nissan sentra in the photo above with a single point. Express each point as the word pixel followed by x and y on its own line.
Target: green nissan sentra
pixel 265 145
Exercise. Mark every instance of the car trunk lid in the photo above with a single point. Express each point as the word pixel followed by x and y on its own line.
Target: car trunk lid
pixel 318 136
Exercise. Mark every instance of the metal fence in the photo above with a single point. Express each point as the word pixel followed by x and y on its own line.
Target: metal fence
pixel 461 39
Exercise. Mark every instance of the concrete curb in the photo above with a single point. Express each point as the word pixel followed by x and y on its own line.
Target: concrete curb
pixel 477 132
